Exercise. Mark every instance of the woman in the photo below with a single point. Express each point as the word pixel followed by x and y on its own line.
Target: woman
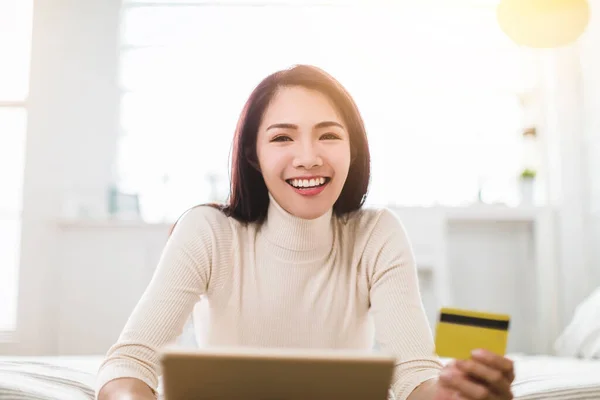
pixel 293 260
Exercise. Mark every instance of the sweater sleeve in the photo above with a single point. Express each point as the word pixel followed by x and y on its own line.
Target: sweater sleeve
pixel 401 326
pixel 182 275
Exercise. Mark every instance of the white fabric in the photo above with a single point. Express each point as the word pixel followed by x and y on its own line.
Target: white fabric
pixel 48 378
pixel 545 378
pixel 581 338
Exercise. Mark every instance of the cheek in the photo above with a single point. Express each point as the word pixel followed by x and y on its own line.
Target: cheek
pixel 341 160
pixel 272 165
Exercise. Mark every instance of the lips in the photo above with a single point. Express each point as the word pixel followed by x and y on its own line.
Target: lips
pixel 309 186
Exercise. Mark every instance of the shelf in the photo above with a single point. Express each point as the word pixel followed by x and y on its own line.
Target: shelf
pixel 483 213
pixel 494 213
pixel 85 223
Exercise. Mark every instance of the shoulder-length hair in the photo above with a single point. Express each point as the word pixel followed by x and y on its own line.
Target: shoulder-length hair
pixel 248 198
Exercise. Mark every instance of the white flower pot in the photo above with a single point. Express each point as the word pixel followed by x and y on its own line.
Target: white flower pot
pixel 526 189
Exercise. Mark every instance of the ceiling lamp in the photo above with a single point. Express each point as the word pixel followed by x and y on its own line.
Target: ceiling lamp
pixel 543 23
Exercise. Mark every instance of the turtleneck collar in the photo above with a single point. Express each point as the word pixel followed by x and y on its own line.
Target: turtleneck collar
pixel 291 236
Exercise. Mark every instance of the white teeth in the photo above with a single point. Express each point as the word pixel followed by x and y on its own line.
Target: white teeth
pixel 302 183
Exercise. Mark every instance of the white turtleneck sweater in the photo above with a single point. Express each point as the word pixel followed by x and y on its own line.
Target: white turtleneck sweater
pixel 286 283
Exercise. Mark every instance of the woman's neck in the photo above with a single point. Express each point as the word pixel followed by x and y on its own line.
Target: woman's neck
pixel 292 236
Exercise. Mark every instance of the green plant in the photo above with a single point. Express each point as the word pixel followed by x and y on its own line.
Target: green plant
pixel 528 174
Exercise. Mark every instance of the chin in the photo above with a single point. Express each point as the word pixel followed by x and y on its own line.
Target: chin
pixel 310 207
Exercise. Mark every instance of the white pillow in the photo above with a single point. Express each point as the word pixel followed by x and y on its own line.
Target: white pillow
pixel 581 338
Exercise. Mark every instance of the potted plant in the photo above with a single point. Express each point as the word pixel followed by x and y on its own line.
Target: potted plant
pixel 526 181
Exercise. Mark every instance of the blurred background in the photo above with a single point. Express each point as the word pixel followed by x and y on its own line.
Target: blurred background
pixel 116 116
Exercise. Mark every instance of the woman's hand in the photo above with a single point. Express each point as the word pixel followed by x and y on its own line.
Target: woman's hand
pixel 485 376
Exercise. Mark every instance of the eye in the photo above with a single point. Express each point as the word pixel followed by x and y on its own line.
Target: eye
pixel 281 138
pixel 330 136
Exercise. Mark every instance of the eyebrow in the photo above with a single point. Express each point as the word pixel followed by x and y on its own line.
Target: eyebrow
pixel 324 124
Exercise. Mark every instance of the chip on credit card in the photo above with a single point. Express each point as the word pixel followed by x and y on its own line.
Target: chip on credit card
pixel 459 332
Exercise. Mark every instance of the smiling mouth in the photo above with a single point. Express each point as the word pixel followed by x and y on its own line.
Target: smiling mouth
pixel 308 183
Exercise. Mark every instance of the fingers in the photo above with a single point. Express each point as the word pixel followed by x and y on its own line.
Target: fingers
pixel 458 381
pixel 485 376
pixel 495 361
pixel 494 379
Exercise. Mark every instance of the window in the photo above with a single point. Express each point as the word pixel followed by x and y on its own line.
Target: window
pixel 438 86
pixel 15 37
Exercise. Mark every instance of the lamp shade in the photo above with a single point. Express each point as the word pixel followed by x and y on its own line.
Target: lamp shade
pixel 543 23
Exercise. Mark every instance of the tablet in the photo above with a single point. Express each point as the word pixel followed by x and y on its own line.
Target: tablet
pixel 275 374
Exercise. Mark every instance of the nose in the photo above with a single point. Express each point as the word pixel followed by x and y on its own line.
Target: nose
pixel 307 156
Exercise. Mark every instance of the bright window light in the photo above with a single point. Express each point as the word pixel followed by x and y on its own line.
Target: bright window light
pixel 15 43
pixel 438 89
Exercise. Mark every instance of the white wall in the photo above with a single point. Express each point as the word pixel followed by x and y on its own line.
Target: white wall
pixel 590 61
pixel 493 267
pixel 72 127
pixel 101 273
pixel 565 128
pixel 572 132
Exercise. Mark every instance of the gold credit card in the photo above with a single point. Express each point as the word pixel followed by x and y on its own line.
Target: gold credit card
pixel 459 332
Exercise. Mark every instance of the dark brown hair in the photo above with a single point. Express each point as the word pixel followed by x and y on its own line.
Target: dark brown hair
pixel 248 198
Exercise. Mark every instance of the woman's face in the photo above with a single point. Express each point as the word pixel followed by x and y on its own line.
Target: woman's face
pixel 303 151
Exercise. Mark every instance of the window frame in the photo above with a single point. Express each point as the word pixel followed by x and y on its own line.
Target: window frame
pixel 11 336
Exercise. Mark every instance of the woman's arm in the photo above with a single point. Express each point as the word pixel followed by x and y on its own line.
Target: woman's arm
pixel 181 277
pixel 401 325
pixel 428 390
pixel 402 329
pixel 126 389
